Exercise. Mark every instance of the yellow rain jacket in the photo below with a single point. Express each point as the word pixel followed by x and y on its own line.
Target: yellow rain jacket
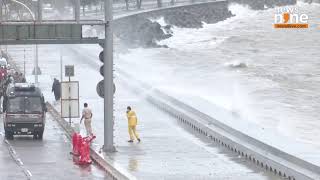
pixel 132 118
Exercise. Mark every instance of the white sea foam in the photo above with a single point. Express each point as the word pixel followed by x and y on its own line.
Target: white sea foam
pixel 267 68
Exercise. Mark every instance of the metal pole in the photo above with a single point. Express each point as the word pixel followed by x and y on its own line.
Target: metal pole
pixel 61 65
pixel 5 16
pixel 159 2
pixel 1 15
pixel 36 66
pixel 77 10
pixel 24 62
pixel 69 101
pixel 1 18
pixel 108 78
pixel 39 18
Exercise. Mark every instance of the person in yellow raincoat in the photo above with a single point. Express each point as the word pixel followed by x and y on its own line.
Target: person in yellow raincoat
pixel 132 123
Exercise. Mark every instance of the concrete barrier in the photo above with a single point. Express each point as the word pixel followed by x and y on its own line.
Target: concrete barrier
pixel 260 153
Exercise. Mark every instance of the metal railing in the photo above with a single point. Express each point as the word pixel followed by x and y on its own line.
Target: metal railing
pixel 44 10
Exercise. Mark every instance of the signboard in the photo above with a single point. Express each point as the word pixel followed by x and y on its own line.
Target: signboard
pixel 70 90
pixel 69 70
pixel 70 108
pixel 70 99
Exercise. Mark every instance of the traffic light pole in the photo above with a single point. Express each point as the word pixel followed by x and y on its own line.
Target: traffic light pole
pixel 108 79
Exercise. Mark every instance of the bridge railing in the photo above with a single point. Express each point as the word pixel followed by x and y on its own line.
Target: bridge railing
pixel 39 10
pixel 44 22
pixel 44 10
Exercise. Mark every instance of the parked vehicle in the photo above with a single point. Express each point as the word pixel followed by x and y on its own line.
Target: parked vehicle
pixel 24 111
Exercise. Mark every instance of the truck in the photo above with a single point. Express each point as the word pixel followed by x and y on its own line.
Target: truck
pixel 24 111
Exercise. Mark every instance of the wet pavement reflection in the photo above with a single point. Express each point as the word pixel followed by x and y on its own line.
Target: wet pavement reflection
pixel 133 164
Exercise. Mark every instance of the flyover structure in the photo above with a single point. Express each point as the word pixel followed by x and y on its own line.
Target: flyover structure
pixel 40 31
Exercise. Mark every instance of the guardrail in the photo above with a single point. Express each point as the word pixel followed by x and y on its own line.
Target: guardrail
pixel 260 153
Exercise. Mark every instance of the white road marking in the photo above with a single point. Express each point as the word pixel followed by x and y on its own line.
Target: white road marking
pixel 20 162
pixel 15 157
pixel 29 173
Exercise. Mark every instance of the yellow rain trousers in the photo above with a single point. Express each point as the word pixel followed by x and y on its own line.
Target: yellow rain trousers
pixel 132 123
pixel 133 133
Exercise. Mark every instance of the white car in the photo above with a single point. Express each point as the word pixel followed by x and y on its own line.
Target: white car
pixel 3 62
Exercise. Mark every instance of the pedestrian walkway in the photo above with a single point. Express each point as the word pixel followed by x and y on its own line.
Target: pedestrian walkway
pixel 168 151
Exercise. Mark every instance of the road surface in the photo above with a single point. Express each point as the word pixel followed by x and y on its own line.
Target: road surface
pixel 26 158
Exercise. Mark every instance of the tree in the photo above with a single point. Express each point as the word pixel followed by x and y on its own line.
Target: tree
pixel 139 4
pixel 85 3
pixel 127 4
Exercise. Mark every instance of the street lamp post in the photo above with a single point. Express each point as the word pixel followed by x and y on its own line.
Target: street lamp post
pixel 1 10
pixel 77 10
pixel 61 64
pixel 36 65
pixel 108 78
pixel 39 19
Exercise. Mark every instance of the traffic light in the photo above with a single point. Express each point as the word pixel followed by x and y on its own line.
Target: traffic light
pixel 101 58
pixel 100 85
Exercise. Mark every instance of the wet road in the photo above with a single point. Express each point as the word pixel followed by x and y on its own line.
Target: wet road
pixel 26 158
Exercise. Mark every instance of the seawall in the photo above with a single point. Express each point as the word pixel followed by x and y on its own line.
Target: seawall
pixel 137 29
